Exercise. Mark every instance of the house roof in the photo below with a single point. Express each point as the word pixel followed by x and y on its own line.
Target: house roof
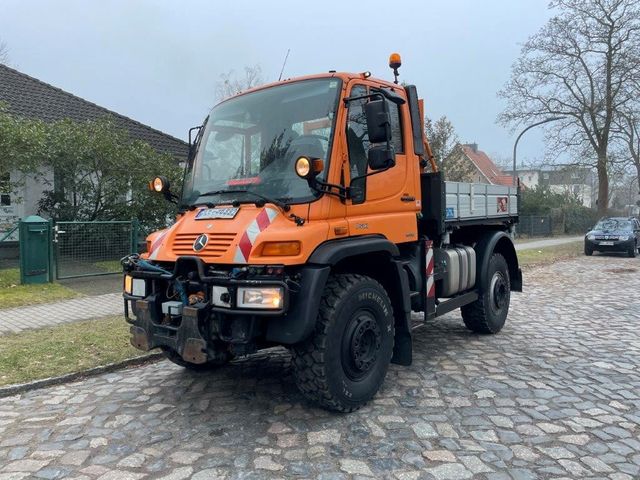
pixel 486 167
pixel 29 97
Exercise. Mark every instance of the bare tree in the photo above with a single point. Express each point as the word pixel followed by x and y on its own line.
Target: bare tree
pixel 579 66
pixel 4 52
pixel 231 84
pixel 628 136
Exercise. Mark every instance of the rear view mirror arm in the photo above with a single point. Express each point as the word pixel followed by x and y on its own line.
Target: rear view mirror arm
pixel 375 172
pixel 323 187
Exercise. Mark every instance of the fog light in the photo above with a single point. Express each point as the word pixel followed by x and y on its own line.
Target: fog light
pixel 220 296
pixel 265 298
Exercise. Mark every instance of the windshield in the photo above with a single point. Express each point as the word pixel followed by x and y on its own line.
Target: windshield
pixel 613 224
pixel 250 144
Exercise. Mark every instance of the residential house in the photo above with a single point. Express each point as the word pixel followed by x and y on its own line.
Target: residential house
pixel 482 168
pixel 28 97
pixel 563 179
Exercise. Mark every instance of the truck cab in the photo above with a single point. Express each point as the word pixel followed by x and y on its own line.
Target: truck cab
pixel 312 216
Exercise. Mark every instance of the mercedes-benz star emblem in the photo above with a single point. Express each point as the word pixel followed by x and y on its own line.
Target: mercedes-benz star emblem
pixel 200 242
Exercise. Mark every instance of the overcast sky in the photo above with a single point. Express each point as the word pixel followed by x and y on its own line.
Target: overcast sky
pixel 158 61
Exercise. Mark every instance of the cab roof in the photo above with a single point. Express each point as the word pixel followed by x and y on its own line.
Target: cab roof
pixel 344 76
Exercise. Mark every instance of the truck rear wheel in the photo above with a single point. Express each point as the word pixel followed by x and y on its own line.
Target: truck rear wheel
pixel 489 313
pixel 175 357
pixel 344 362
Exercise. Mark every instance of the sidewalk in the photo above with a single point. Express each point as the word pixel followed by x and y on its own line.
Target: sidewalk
pixel 548 242
pixel 18 319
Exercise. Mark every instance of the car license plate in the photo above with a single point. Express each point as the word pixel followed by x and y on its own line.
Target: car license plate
pixel 606 244
pixel 210 213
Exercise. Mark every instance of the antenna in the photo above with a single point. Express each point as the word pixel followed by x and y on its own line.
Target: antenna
pixel 284 63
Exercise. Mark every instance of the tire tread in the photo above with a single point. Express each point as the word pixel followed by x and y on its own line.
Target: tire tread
pixel 475 315
pixel 309 358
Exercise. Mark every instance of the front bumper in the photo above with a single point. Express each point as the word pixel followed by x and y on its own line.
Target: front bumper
pixel 609 245
pixel 204 324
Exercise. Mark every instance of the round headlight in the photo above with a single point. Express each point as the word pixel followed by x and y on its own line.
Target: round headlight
pixel 303 167
pixel 158 184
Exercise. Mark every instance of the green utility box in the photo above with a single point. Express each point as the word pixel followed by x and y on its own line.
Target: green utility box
pixel 35 250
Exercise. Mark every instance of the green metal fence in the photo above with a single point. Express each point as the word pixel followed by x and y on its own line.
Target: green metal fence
pixel 8 233
pixel 85 249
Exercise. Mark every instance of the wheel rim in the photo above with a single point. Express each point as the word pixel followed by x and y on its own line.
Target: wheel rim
pixel 361 345
pixel 499 291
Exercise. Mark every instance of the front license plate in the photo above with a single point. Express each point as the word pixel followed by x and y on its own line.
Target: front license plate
pixel 209 213
pixel 606 244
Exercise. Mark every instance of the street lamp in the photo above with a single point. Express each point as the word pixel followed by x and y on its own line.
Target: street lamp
pixel 515 145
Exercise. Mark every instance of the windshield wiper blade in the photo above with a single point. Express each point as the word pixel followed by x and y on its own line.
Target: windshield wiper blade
pixel 282 205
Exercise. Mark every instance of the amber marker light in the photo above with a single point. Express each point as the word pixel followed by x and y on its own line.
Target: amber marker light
pixel 280 249
pixel 394 60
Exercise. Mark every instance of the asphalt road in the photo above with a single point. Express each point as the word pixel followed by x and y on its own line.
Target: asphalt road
pixel 547 242
pixel 555 395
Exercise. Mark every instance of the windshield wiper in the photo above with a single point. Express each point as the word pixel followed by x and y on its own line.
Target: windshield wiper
pixel 282 205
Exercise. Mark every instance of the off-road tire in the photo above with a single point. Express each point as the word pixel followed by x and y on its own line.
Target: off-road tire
pixel 489 313
pixel 588 251
pixel 343 363
pixel 174 357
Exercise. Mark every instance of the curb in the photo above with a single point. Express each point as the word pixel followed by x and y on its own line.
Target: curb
pixel 11 390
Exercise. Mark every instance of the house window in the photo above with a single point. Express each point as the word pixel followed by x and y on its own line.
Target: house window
pixel 5 196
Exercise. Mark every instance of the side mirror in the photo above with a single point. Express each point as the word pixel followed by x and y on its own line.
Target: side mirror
pixel 381 157
pixel 378 121
pixel 309 168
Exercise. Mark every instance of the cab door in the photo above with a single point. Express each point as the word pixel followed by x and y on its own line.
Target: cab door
pixel 381 202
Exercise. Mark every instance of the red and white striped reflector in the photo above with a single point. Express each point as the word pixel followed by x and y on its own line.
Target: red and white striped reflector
pixel 157 243
pixel 248 239
pixel 431 285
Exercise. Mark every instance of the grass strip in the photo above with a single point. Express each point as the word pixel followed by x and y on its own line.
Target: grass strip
pixel 12 294
pixel 546 255
pixel 72 347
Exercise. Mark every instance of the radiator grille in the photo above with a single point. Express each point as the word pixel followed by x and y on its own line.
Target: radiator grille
pixel 217 245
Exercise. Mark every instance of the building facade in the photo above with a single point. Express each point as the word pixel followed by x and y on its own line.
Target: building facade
pixel 24 96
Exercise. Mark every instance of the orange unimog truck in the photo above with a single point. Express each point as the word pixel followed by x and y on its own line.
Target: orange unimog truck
pixel 312 216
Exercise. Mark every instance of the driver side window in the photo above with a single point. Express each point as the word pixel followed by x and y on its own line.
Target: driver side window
pixel 358 141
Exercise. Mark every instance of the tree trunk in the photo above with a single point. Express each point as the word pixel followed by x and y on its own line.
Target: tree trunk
pixel 636 196
pixel 603 184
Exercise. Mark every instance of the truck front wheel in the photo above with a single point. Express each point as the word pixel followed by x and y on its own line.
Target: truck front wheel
pixel 489 312
pixel 344 362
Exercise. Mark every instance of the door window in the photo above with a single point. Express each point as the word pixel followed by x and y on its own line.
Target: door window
pixel 358 140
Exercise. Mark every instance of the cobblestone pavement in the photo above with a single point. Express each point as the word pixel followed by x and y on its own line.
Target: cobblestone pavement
pixel 15 320
pixel 555 395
